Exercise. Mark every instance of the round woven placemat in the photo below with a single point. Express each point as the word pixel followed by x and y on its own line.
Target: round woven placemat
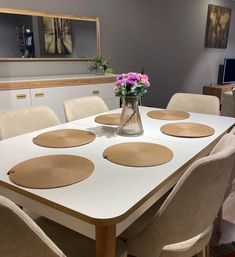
pixel 138 154
pixel 63 138
pixel 187 129
pixel 168 115
pixel 51 171
pixel 109 119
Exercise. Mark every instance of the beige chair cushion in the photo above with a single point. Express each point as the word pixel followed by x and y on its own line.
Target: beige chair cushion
pixel 20 121
pixel 189 247
pixel 227 140
pixel 194 103
pixel 144 220
pixel 231 185
pixel 21 236
pixel 191 207
pixel 83 107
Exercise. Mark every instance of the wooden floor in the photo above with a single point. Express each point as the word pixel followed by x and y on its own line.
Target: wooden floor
pixel 228 226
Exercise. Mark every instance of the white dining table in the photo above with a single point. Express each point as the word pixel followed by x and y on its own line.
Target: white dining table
pixel 114 196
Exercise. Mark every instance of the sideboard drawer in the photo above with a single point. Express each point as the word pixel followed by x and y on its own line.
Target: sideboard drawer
pixel 14 99
pixel 102 90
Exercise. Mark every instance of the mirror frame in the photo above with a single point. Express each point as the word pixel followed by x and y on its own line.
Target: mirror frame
pixel 66 16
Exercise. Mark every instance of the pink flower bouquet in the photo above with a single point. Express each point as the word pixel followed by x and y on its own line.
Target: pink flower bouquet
pixel 131 84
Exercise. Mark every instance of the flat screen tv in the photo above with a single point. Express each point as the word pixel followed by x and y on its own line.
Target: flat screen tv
pixel 229 71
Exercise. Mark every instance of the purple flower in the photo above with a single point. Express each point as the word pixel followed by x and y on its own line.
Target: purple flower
pixel 131 84
pixel 120 76
pixel 121 82
pixel 133 76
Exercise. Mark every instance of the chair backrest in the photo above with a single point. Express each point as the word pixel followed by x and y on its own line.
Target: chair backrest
pixel 227 140
pixel 232 130
pixel 21 236
pixel 20 121
pixel 233 102
pixel 82 107
pixel 206 104
pixel 228 105
pixel 194 202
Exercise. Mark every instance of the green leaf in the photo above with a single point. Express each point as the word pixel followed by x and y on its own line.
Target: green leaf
pixel 110 71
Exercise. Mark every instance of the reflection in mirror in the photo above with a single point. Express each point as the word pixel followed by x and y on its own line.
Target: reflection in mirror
pixel 27 36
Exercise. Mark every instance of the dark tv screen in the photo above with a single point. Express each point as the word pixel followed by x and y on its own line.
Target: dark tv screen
pixel 229 71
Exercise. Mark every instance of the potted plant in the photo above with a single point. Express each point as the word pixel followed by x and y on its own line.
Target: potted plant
pixel 99 65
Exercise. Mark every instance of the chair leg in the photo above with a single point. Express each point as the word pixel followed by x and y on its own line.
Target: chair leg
pixel 204 253
pixel 219 220
pixel 208 250
pixel 201 254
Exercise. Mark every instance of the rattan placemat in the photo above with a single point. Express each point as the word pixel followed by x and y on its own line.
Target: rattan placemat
pixel 109 119
pixel 187 129
pixel 138 154
pixel 51 171
pixel 168 115
pixel 63 138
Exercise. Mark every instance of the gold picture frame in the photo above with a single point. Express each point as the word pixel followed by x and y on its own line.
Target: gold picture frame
pixel 39 42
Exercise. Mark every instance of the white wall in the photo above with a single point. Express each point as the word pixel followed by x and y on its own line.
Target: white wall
pixel 164 36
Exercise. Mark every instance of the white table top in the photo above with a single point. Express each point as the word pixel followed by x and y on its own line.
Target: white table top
pixel 112 190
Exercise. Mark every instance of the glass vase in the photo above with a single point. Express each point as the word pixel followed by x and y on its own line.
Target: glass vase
pixel 130 124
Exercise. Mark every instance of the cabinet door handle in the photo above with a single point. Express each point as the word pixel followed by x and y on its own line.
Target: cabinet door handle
pixel 39 94
pixel 20 96
pixel 95 92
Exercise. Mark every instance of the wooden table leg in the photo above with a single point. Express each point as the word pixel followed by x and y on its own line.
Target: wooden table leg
pixel 105 241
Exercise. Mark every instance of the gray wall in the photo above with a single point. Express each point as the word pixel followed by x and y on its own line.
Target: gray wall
pixel 166 37
pixel 84 38
pixel 180 62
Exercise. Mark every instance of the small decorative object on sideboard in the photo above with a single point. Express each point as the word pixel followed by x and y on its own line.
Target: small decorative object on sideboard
pixel 99 65
pixel 131 87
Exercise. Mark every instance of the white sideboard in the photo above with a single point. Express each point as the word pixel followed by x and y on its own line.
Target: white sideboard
pixel 53 91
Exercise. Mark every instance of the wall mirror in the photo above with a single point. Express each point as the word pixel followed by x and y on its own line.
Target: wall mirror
pixel 30 36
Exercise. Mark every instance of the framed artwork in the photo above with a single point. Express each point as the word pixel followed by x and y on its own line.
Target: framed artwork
pixel 217 29
pixel 57 35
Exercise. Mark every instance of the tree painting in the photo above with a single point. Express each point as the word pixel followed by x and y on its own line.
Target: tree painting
pixel 218 22
pixel 57 35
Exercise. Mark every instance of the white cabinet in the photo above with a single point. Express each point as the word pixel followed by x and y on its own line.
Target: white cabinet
pixel 10 99
pixel 53 97
pixel 105 91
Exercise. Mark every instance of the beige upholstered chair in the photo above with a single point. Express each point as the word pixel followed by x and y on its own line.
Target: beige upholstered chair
pixel 182 226
pixel 20 121
pixel 195 103
pixel 232 130
pixel 83 107
pixel 230 188
pixel 21 236
pixel 228 105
